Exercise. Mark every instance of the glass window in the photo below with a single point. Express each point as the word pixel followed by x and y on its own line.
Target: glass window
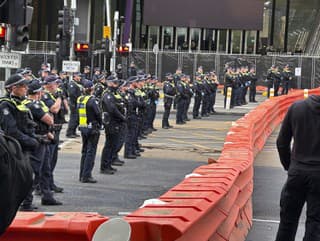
pixel 181 39
pixel 222 41
pixel 153 36
pixel 265 33
pixel 250 43
pixel 194 39
pixel 167 38
pixel 279 25
pixel 143 38
pixel 302 18
pixel 208 41
pixel 236 41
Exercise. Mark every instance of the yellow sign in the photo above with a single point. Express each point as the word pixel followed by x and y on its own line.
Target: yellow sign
pixel 106 31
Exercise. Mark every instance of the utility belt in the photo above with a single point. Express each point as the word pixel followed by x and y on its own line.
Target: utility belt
pixel 169 96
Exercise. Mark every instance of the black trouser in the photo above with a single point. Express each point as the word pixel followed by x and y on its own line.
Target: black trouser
pixel 35 168
pixel 90 139
pixel 180 108
pixel 151 114
pixel 205 104
pixel 196 106
pixel 252 93
pixel 73 121
pixel 301 187
pixel 167 107
pixel 131 135
pixel 54 148
pixel 186 108
pixel 285 88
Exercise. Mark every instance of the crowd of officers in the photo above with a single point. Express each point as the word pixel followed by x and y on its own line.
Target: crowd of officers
pixel 33 112
pixel 178 89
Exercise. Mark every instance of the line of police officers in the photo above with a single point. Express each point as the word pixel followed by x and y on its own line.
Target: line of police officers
pixel 178 91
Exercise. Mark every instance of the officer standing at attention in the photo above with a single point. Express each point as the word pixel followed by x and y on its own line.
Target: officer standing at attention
pixel 302 161
pixel 16 121
pixel 75 89
pixel 90 123
pixel 253 83
pixel 198 93
pixel 169 91
pixel 41 157
pixel 181 98
pixel 189 94
pixel 114 121
pixel 286 77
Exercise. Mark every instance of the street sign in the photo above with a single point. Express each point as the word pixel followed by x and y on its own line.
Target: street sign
pixel 106 31
pixel 71 66
pixel 10 60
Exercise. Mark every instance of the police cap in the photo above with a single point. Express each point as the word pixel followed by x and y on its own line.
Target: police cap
pixel 88 84
pixel 132 79
pixel 16 79
pixel 34 87
pixel 51 79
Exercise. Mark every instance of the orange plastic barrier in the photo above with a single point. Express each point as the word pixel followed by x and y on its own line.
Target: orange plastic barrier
pixel 215 204
pixel 33 226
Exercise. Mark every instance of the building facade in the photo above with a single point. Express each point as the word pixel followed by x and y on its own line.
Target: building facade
pixel 289 26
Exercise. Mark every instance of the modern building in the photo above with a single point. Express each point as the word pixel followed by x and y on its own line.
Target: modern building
pixel 288 26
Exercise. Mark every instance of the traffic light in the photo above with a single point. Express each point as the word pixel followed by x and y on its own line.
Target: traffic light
pixel 81 49
pixel 61 21
pixel 62 46
pixel 3 31
pixel 19 37
pixel 123 50
pixel 64 21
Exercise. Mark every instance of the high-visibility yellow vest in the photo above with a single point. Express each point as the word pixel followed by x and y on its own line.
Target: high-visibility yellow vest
pixel 82 103
pixel 20 106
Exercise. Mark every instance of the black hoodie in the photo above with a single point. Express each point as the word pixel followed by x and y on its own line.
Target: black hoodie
pixel 302 124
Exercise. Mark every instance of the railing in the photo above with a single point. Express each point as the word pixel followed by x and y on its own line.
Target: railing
pixel 41 47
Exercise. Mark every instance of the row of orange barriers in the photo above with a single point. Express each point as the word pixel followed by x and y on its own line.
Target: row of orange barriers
pixel 212 204
pixel 215 203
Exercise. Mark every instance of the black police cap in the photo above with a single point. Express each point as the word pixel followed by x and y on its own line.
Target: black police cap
pixel 16 79
pixel 88 84
pixel 34 87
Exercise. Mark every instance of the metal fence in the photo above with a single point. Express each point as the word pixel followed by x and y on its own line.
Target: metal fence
pixel 41 47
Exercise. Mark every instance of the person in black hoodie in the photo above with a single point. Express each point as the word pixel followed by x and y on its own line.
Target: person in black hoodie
pixel 302 162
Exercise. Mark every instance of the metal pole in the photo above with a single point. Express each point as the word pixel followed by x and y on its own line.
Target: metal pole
pixel 7 49
pixel 114 44
pixel 73 12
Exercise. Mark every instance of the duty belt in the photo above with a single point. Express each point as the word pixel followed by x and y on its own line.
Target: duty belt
pixel 169 96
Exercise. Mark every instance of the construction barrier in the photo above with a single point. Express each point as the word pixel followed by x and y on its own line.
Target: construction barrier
pixel 68 226
pixel 215 202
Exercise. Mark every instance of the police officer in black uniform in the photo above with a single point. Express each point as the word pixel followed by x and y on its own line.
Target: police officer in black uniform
pixel 253 82
pixel 114 121
pixel 286 79
pixel 169 92
pixel 54 100
pixel 75 89
pixel 100 86
pixel 41 157
pixel 16 121
pixel 181 98
pixel 90 123
pixel 198 93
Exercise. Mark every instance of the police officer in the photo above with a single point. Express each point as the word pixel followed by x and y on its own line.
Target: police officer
pixel 198 93
pixel 228 83
pixel 182 98
pixel 100 86
pixel 96 73
pixel 132 70
pixel 75 89
pixel 169 92
pixel 286 77
pixel 16 121
pixel 114 121
pixel 130 150
pixel 206 96
pixel 90 123
pixel 252 87
pixel 87 72
pixel 153 96
pixel 41 157
pixel 273 80
pixel 213 83
pixel 54 101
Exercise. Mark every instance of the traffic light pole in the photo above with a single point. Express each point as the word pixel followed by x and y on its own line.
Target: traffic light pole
pixel 73 11
pixel 7 49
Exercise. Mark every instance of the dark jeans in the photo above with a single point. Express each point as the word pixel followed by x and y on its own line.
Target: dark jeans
pixel 301 187
pixel 90 139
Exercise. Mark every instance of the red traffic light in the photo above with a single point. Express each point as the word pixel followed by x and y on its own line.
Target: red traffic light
pixel 81 47
pixel 3 31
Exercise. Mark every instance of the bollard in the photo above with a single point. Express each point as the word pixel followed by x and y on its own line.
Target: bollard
pixel 228 102
pixel 271 93
pixel 305 93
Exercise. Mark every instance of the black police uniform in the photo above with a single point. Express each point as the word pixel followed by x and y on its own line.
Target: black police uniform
pixel 228 83
pixel 114 121
pixel 16 121
pixel 49 100
pixel 153 95
pixel 90 122
pixel 273 81
pixel 169 91
pixel 198 93
pixel 41 157
pixel 99 88
pixel 181 100
pixel 130 150
pixel 213 91
pixel 286 77
pixel 189 94
pixel 132 71
pixel 205 98
pixel 252 87
pixel 74 91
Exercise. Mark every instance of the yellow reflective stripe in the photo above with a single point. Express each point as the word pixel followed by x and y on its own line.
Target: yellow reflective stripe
pixel 20 107
pixel 44 107
pixel 118 96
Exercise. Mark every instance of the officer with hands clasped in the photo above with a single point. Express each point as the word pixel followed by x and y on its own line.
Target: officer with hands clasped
pixel 90 122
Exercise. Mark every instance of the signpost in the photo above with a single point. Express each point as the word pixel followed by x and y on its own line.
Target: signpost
pixel 10 60
pixel 71 66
